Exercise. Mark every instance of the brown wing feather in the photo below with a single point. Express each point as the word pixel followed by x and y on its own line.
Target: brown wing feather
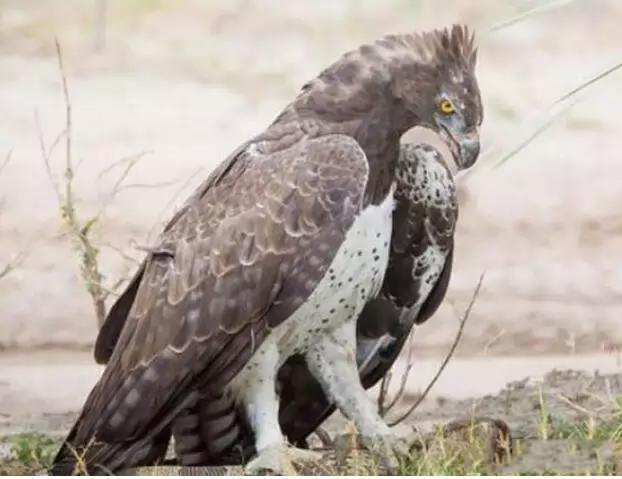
pixel 236 262
pixel 108 334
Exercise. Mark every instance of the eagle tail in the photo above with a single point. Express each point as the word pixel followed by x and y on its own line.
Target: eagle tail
pixel 83 452
pixel 98 458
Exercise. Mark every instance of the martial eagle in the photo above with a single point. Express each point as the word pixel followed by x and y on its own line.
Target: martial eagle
pixel 276 255
pixel 415 283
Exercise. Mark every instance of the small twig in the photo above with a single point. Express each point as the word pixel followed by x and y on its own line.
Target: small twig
pixel 131 159
pixel 493 340
pixel 120 252
pixel 324 437
pixel 12 264
pixel 131 162
pixel 463 321
pixel 6 160
pixel 404 379
pixel 575 406
pixel 46 155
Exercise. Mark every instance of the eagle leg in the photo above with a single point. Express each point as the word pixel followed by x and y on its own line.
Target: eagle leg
pixel 333 363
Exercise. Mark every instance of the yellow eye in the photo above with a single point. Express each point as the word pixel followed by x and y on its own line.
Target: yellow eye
pixel 446 108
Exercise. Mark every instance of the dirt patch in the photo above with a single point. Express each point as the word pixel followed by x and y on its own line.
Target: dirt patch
pixel 567 422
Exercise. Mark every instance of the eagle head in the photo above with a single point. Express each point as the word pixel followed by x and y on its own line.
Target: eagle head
pixel 437 85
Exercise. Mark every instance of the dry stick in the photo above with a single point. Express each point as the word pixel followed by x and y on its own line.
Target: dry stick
pixel 324 437
pixel 463 321
pixel 576 407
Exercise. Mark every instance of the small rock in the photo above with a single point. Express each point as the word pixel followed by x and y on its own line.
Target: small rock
pixel 478 437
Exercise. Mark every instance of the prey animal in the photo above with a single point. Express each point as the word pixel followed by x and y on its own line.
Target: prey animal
pixel 275 256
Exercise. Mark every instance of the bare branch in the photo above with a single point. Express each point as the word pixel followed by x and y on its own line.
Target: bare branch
pixel 130 161
pixel 89 268
pixel 47 154
pixel 13 263
pixel 6 160
pixel 463 321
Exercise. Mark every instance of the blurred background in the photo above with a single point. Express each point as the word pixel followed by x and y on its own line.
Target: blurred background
pixel 161 91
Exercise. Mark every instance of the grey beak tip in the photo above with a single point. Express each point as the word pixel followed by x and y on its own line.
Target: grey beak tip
pixel 469 153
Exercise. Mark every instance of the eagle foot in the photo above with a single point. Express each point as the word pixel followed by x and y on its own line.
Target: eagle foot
pixel 279 460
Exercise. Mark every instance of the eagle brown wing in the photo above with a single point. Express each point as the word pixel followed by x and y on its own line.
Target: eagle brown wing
pixel 236 262
pixel 109 332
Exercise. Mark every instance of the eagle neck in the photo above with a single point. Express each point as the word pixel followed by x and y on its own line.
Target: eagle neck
pixel 379 135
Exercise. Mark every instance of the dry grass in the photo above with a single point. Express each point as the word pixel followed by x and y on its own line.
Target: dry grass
pixel 29 454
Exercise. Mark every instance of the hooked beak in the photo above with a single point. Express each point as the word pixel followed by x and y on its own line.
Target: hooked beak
pixel 464 148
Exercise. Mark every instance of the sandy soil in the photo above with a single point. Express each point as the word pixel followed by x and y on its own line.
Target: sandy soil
pixel 42 393
pixel 187 82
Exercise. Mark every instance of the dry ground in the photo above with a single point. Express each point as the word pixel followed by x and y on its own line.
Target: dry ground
pixel 566 422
